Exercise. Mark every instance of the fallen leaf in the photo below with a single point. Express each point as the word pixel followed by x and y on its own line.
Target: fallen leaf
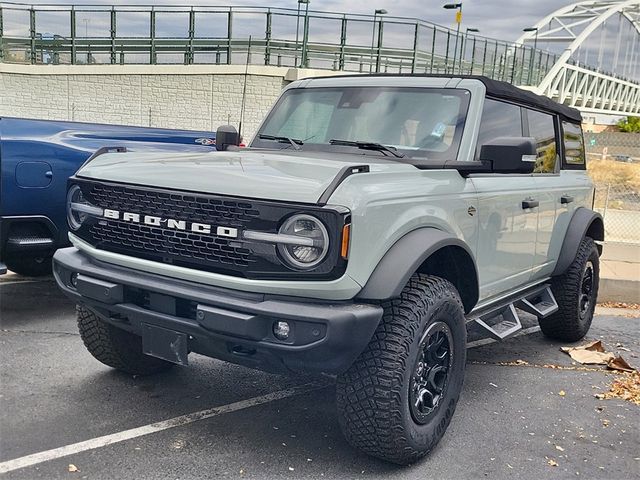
pixel 73 468
pixel 595 346
pixel 619 363
pixel 605 423
pixel 562 393
pixel 592 353
pixel 552 462
pixel 627 387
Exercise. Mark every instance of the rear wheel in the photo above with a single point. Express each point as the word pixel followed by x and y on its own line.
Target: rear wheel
pixel 30 266
pixel 115 347
pixel 397 399
pixel 576 292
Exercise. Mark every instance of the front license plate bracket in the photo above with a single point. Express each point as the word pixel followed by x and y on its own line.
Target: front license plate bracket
pixel 165 344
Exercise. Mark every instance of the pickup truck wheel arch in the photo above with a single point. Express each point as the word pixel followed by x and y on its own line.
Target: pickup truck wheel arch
pixel 429 251
pixel 583 223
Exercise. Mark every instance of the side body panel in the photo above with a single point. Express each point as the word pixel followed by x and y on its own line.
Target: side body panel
pixel 507 232
pixel 575 187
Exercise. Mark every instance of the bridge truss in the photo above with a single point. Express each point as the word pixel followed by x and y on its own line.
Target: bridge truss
pixel 599 68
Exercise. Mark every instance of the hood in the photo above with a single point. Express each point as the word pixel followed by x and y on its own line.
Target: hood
pixel 300 177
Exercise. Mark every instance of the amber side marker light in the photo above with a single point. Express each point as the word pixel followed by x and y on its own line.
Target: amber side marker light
pixel 346 231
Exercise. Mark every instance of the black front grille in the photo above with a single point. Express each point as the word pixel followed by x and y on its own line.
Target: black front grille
pixel 203 251
pixel 170 242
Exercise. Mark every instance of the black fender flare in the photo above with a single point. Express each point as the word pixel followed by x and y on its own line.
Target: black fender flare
pixel 408 254
pixel 584 221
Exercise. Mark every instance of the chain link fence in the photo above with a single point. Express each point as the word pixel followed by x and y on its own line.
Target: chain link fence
pixel 619 206
pixel 614 166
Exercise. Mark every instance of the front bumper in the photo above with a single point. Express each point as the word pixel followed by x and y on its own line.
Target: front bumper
pixel 326 336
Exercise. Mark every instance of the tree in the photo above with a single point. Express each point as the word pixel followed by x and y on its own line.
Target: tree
pixel 630 124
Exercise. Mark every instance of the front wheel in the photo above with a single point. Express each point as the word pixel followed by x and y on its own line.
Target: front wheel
pixel 115 347
pixel 397 399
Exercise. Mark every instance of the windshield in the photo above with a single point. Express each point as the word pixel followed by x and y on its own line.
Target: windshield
pixel 417 122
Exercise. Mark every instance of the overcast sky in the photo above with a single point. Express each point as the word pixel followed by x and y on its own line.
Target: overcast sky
pixel 502 19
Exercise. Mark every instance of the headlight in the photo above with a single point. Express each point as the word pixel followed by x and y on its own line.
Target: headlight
pixel 313 241
pixel 78 209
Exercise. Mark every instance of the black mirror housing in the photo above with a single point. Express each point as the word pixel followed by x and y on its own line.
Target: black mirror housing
pixel 226 135
pixel 510 154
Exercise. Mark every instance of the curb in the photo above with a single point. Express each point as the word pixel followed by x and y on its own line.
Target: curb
pixel 616 290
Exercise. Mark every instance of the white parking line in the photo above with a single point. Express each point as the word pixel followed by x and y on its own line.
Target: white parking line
pixel 118 437
pixel 487 341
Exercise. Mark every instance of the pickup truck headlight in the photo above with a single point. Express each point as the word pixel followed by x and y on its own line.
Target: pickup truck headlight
pixel 312 242
pixel 78 208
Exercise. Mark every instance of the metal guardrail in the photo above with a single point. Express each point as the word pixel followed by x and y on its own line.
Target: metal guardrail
pixel 82 34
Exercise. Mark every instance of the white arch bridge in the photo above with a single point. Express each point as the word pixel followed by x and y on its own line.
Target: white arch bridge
pixel 598 70
pixel 586 54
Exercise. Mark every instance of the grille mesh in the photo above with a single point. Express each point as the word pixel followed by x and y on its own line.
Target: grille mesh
pixel 188 247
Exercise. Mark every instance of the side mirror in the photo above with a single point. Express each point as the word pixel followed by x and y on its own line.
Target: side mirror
pixel 226 135
pixel 510 154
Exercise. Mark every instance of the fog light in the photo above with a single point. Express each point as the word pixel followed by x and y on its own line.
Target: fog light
pixel 74 279
pixel 281 330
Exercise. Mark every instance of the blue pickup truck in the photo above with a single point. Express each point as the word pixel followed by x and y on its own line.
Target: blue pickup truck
pixel 36 159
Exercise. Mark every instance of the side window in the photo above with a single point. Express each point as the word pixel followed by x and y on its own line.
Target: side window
pixel 573 144
pixel 542 128
pixel 499 119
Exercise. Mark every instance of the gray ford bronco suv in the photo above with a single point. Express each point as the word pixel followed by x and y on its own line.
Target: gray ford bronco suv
pixel 371 218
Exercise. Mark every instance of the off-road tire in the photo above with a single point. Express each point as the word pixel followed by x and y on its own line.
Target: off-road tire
pixel 30 266
pixel 373 394
pixel 115 347
pixel 570 323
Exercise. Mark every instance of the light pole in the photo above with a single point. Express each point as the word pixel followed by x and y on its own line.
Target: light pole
pixel 455 6
pixel 379 11
pixel 535 48
pixel 86 36
pixel 535 38
pixel 305 33
pixel 464 45
pixel 306 2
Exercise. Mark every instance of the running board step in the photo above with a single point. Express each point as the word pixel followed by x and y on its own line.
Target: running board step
pixel 509 325
pixel 541 304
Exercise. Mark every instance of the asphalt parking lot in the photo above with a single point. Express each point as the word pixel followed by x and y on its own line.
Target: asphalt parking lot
pixel 58 406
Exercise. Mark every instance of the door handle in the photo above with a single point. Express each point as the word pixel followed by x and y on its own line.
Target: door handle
pixel 565 199
pixel 530 203
pixel 48 174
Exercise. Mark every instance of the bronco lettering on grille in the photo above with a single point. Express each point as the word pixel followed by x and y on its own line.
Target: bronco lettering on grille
pixel 171 223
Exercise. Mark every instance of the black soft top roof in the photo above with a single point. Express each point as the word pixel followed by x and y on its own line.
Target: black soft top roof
pixel 507 91
pixel 504 91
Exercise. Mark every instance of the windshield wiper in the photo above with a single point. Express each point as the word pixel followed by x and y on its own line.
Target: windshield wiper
pixel 293 141
pixel 368 146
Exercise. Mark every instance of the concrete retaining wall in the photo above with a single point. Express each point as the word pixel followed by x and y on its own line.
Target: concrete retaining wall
pixel 200 97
